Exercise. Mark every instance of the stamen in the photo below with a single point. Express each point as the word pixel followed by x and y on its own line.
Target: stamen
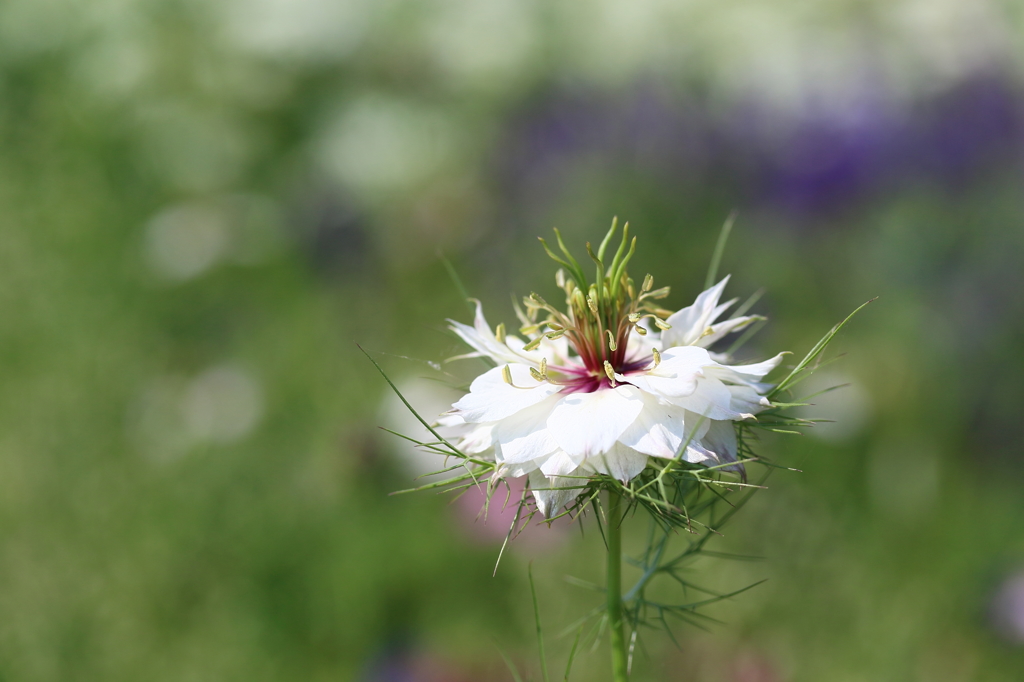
pixel 659 293
pixel 648 283
pixel 499 333
pixel 708 332
pixel 579 303
pixel 592 302
pixel 542 373
pixel 634 317
pixel 557 334
pixel 533 344
pixel 657 357
pixel 612 346
pixel 609 372
pixel 661 324
pixel 642 331
pixel 506 374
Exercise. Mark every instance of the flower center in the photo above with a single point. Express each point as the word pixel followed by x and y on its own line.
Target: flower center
pixel 599 316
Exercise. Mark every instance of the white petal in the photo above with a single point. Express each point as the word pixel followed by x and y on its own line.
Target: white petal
pixel 472 439
pixel 677 374
pixel 746 400
pixel 727 327
pixel 524 436
pixel 711 400
pixel 491 399
pixel 450 420
pixel 477 440
pixel 690 323
pixel 480 338
pixel 756 370
pixel 552 494
pixel 559 464
pixel 719 309
pixel 658 430
pixel 515 470
pixel 696 453
pixel 620 462
pixel 721 439
pixel 586 424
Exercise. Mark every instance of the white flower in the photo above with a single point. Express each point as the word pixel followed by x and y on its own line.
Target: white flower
pixel 579 399
pixel 603 386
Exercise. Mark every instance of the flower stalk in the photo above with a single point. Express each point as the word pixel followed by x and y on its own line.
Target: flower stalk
pixel 620 661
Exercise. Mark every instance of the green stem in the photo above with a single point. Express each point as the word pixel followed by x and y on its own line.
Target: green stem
pixel 618 639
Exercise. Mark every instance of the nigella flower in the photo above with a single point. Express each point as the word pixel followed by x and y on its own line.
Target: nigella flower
pixel 609 382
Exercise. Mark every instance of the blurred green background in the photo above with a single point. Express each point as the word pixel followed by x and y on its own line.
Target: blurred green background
pixel 204 205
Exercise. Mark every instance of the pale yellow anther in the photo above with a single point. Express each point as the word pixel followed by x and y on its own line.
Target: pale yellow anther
pixel 537 376
pixel 560 278
pixel 641 331
pixel 612 346
pixel 659 293
pixel 657 357
pixel 544 367
pixel 506 374
pixel 708 332
pixel 557 334
pixel 634 317
pixel 648 283
pixel 578 301
pixel 609 371
pixel 533 344
pixel 592 303
pixel 661 324
pixel 499 333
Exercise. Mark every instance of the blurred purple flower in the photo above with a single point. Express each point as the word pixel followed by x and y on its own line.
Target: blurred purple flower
pixel 821 157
